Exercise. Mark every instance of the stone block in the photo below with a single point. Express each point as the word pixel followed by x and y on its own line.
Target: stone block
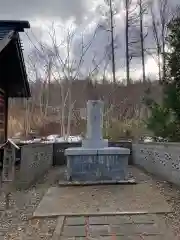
pixel 97 167
pixel 133 229
pixel 117 220
pixel 74 231
pixel 98 220
pixel 74 221
pixel 36 159
pixel 98 230
pixel 144 218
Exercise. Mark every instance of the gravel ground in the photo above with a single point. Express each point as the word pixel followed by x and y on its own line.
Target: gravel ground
pixel 172 196
pixel 170 192
pixel 16 223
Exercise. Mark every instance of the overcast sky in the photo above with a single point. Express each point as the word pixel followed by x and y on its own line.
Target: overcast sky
pixel 82 16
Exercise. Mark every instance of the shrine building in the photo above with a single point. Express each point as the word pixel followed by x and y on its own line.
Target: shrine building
pixel 13 76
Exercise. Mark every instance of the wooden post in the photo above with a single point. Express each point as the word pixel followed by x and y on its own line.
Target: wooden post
pixel 8 169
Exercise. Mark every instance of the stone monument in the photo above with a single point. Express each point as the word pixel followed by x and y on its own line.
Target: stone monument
pixel 94 137
pixel 95 161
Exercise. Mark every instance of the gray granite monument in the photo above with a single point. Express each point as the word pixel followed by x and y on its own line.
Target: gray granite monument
pixel 95 161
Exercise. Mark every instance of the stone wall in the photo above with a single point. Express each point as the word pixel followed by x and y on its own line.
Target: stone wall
pixel 59 158
pixel 161 159
pixel 36 159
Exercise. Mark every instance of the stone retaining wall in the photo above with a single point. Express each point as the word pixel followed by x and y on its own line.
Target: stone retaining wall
pixel 36 159
pixel 161 159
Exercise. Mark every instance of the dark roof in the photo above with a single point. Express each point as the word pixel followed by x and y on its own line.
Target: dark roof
pixel 18 26
pixel 12 67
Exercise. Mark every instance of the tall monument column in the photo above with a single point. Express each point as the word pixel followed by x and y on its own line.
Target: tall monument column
pixel 94 137
pixel 94 120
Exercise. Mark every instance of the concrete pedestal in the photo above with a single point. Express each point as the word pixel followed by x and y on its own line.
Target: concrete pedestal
pixel 108 164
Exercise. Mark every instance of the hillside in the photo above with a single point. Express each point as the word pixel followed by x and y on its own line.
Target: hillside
pixel 50 101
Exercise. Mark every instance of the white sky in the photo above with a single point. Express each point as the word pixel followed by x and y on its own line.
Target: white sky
pixel 80 14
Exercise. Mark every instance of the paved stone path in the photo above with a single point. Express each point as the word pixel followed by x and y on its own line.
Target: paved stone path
pixel 124 227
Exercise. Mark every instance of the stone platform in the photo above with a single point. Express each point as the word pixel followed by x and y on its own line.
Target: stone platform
pixel 104 199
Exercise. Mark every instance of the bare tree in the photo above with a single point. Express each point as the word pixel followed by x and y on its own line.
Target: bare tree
pixel 131 34
pixel 157 42
pixel 40 63
pixel 127 5
pixel 142 11
pixel 112 41
pixel 71 70
pixel 135 32
pixel 64 70
pixel 163 12
pixel 108 25
pixel 160 14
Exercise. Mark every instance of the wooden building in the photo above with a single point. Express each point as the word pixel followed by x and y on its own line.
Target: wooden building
pixel 13 77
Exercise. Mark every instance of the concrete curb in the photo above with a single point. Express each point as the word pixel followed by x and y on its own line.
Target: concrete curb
pixel 58 229
pixel 94 214
pixel 92 183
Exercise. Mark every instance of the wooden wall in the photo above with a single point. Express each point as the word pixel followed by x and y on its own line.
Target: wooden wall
pixel 2 116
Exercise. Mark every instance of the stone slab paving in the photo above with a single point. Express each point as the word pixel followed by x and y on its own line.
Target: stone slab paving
pixel 102 199
pixel 127 227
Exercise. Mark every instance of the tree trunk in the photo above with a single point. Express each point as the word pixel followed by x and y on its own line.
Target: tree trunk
pixel 142 40
pixel 127 41
pixel 112 43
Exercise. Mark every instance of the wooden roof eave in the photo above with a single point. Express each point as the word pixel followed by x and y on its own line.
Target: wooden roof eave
pixel 5 41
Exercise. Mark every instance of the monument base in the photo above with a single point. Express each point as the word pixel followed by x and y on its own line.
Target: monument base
pixel 88 143
pixel 105 164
